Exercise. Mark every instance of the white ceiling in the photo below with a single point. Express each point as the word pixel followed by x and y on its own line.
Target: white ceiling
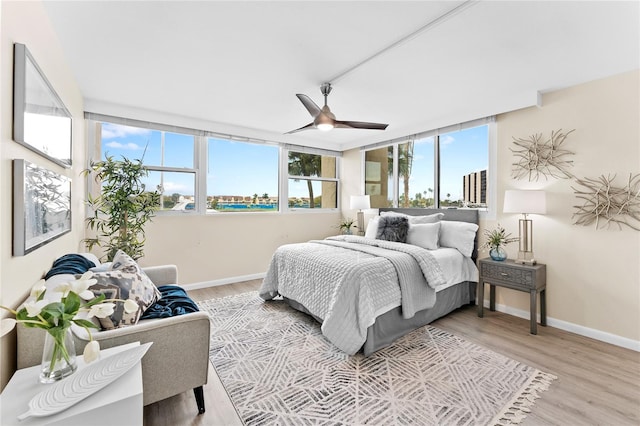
pixel 236 66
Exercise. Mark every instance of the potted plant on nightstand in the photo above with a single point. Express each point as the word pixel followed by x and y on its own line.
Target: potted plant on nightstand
pixel 345 226
pixel 496 239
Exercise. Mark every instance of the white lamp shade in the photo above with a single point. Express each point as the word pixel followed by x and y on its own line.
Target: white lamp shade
pixel 360 202
pixel 525 201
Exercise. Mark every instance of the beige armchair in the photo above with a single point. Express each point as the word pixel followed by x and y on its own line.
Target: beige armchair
pixel 177 361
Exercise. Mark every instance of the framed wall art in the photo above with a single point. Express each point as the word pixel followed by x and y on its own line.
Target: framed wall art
pixel 41 122
pixel 41 206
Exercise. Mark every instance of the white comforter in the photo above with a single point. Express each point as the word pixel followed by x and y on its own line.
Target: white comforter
pixel 347 281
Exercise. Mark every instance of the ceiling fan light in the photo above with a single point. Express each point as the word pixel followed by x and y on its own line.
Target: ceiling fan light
pixel 324 122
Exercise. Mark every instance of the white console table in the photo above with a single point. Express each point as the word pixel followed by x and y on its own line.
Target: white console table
pixel 119 403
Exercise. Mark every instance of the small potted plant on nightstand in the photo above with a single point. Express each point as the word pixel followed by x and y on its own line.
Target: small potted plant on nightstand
pixel 496 239
pixel 345 226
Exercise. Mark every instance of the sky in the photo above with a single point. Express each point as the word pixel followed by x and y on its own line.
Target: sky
pixel 239 168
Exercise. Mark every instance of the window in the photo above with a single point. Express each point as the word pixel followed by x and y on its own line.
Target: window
pixel 312 181
pixel 169 157
pixel 464 159
pixel 241 177
pixel 378 177
pixel 204 172
pixel 441 169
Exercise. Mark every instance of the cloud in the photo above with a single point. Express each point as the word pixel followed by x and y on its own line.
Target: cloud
pixel 428 140
pixel 115 131
pixel 447 139
pixel 129 146
pixel 173 188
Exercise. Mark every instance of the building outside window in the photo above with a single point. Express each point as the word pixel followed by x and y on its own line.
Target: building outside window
pixel 436 169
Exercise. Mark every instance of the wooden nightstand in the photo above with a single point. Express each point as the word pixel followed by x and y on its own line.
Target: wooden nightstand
pixel 529 278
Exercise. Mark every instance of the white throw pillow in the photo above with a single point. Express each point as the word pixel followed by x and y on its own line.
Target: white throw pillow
pixel 458 235
pixel 372 228
pixel 424 235
pixel 431 218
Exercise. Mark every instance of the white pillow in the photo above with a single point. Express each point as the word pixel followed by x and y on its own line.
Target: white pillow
pixel 458 235
pixel 424 235
pixel 431 218
pixel 372 228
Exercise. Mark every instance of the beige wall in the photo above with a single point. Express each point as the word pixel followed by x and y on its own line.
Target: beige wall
pixel 27 23
pixel 227 245
pixel 593 276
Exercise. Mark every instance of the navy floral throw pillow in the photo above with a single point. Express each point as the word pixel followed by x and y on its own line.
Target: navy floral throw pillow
pixel 393 228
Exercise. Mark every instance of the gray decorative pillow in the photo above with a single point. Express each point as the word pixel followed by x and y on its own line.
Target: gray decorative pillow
pixel 393 228
pixel 125 280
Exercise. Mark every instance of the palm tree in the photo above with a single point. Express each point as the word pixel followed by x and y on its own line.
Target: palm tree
pixel 254 198
pixel 405 162
pixel 305 165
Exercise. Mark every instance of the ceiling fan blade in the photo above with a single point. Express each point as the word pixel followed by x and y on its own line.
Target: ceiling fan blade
pixel 359 125
pixel 311 106
pixel 307 127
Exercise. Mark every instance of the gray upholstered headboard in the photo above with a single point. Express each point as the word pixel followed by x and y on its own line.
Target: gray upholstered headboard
pixel 460 215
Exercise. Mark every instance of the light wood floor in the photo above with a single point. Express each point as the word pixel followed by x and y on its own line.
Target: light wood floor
pixel 598 383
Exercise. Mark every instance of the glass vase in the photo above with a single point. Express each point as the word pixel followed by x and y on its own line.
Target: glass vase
pixel 58 355
pixel 498 253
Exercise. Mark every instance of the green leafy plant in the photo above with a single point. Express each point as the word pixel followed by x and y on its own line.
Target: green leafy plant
pixel 497 237
pixel 345 225
pixel 123 207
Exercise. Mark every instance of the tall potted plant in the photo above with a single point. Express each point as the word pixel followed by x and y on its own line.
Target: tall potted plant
pixel 123 207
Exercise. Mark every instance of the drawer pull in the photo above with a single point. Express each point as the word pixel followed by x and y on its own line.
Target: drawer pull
pixel 503 274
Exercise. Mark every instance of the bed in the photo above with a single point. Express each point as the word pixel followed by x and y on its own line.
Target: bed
pixel 367 292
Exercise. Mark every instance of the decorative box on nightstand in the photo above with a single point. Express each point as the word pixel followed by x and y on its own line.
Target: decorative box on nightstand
pixel 508 274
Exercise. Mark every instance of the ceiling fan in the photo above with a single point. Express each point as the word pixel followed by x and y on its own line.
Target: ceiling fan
pixel 325 120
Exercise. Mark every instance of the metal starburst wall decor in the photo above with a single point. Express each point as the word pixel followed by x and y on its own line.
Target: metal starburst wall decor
pixel 536 156
pixel 606 204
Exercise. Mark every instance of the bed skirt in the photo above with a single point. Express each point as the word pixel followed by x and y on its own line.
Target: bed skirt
pixel 391 325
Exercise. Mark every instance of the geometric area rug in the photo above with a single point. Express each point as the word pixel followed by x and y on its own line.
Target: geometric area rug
pixel 279 369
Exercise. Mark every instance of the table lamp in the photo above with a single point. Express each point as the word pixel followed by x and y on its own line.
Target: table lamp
pixel 525 202
pixel 360 202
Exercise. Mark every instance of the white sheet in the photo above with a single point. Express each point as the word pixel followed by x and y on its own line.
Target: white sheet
pixel 456 268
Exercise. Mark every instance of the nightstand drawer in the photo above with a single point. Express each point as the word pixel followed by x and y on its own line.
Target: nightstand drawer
pixel 515 276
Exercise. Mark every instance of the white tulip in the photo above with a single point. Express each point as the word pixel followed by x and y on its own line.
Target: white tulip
pixel 79 286
pixel 82 284
pixel 38 289
pixel 102 310
pixel 130 306
pixel 34 308
pixel 91 351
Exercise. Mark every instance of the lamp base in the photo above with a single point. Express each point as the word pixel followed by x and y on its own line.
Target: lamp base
pixel 525 258
pixel 360 223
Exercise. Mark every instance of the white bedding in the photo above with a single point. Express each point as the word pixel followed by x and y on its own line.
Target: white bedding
pixel 317 275
pixel 455 267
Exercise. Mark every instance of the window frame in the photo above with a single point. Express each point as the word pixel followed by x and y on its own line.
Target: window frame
pixel 284 172
pixel 488 213
pixel 200 160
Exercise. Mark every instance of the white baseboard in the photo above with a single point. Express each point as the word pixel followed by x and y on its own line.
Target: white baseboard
pixel 224 281
pixel 603 336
